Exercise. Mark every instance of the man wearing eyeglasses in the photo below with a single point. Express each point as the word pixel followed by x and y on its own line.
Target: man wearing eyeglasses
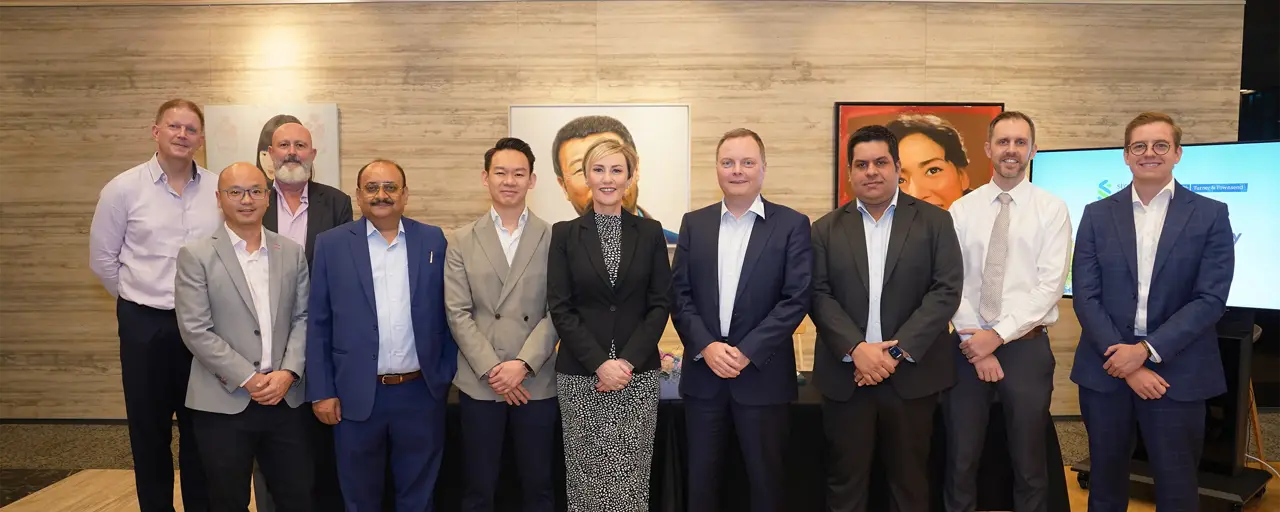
pixel 1153 264
pixel 241 297
pixel 380 355
pixel 143 216
pixel 300 209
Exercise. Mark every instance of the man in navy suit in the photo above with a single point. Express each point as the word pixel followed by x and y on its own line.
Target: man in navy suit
pixel 380 356
pixel 1152 267
pixel 741 286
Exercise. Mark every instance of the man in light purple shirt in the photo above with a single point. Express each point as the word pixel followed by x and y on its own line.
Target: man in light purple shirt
pixel 300 209
pixel 144 215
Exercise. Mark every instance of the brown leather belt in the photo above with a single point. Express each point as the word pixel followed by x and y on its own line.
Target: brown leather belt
pixel 398 378
pixel 1035 331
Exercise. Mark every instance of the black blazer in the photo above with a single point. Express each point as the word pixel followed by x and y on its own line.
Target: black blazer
pixel 327 208
pixel 923 275
pixel 772 297
pixel 588 312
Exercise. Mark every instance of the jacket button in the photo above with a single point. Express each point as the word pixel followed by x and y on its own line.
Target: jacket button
pixel 256 363
pixel 526 318
pixel 256 333
pixel 497 316
pixel 613 308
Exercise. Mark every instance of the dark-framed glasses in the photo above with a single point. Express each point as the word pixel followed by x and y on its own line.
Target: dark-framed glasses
pixel 372 188
pixel 1158 147
pixel 237 193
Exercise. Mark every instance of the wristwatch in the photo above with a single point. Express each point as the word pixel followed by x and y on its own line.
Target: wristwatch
pixel 896 353
pixel 527 368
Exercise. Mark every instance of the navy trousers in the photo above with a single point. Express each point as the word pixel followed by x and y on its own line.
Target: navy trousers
pixel 406 429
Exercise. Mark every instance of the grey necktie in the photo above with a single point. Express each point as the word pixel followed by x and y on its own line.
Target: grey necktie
pixel 993 269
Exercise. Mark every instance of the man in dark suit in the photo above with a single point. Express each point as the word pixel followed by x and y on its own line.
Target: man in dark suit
pixel 1152 268
pixel 300 209
pixel 740 286
pixel 380 356
pixel 886 280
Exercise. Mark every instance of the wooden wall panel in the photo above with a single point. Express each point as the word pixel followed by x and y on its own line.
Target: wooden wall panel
pixel 428 84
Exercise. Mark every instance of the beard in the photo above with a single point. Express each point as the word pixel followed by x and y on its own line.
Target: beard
pixel 293 173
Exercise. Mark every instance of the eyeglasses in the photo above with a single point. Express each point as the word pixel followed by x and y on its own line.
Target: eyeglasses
pixel 237 193
pixel 372 188
pixel 1158 147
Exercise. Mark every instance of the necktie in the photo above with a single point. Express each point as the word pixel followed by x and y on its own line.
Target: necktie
pixel 993 268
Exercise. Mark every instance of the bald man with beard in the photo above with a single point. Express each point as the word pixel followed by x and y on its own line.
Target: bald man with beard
pixel 300 209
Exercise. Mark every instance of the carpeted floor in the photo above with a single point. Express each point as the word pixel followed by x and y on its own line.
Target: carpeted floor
pixel 35 455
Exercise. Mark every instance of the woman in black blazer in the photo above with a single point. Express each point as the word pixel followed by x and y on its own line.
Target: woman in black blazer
pixel 607 281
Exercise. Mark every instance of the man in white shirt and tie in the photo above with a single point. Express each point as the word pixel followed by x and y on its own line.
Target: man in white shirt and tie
pixel 1015 239
pixel 740 286
pixel 241 302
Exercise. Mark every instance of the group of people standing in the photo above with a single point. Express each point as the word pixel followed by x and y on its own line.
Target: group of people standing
pixel 321 350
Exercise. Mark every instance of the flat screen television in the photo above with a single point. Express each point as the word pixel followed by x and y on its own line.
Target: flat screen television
pixel 1245 175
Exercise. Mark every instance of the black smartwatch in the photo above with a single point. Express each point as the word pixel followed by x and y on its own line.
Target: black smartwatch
pixel 896 352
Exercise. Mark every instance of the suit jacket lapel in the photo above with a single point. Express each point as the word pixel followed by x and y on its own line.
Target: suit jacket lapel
pixel 275 272
pixel 269 220
pixel 709 244
pixel 316 202
pixel 414 246
pixel 589 237
pixel 856 235
pixel 534 230
pixel 903 215
pixel 487 234
pixel 1180 208
pixel 227 253
pixel 364 266
pixel 1122 214
pixel 760 233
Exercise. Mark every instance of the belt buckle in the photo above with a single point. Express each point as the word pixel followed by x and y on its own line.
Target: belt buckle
pixel 387 379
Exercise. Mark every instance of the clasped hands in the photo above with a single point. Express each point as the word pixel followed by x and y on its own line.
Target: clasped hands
pixel 507 380
pixel 979 349
pixel 725 360
pixel 1124 361
pixel 269 388
pixel 872 362
pixel 613 375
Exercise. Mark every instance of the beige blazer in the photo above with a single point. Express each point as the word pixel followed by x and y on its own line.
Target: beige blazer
pixel 498 312
pixel 219 324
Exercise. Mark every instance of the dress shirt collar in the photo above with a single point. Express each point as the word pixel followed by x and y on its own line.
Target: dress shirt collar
pixel 757 207
pixel 1021 193
pixel 1167 187
pixel 241 244
pixel 306 190
pixel 370 229
pixel 893 204
pixel 497 219
pixel 157 172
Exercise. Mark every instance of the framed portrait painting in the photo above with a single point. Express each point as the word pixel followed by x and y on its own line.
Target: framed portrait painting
pixel 940 146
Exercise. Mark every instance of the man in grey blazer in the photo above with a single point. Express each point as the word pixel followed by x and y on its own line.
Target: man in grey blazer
pixel 496 296
pixel 241 302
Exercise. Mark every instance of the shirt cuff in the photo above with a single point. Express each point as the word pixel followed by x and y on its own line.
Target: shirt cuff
pixel 247 379
pixel 1005 331
pixel 1155 356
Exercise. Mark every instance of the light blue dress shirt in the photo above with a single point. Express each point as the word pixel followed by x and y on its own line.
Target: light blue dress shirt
pixel 397 351
pixel 877 238
pixel 735 234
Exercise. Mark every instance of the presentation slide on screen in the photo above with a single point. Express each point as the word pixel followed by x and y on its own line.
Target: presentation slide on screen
pixel 1245 176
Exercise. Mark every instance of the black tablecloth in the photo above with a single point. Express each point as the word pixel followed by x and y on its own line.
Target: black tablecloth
pixel 805 465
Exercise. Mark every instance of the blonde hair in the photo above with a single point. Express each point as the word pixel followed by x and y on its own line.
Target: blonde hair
pixel 607 147
pixel 1147 118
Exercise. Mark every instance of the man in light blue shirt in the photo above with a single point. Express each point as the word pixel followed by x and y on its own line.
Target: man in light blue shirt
pixel 380 355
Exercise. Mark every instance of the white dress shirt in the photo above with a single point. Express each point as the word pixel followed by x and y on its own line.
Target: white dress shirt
pixel 257 273
pixel 877 239
pixel 397 350
pixel 1148 223
pixel 510 241
pixel 1035 266
pixel 735 234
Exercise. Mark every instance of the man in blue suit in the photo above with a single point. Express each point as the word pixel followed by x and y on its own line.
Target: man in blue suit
pixel 380 356
pixel 1152 267
pixel 741 286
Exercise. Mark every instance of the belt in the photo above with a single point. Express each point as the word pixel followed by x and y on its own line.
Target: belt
pixel 399 378
pixel 1035 331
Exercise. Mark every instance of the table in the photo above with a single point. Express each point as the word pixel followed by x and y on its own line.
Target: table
pixel 805 485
